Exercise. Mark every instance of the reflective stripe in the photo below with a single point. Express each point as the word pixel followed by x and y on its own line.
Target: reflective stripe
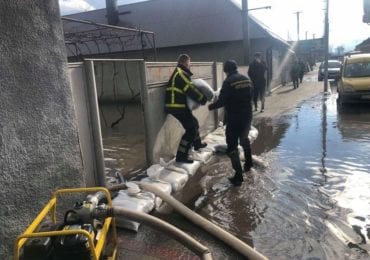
pixel 186 87
pixel 182 149
pixel 176 105
pixel 190 85
pixel 240 82
pixel 183 76
pixel 175 89
pixel 200 95
pixel 184 142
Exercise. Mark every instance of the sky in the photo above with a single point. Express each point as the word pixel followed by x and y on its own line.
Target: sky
pixel 345 18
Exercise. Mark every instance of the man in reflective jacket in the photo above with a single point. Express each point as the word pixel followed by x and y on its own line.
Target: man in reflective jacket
pixel 178 89
pixel 236 97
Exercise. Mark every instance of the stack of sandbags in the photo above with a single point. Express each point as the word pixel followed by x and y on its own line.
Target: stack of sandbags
pixel 133 199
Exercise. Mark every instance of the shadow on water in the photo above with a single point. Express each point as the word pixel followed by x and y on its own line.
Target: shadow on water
pixel 312 201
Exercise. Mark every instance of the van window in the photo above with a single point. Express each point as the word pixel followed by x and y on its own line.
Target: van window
pixel 357 70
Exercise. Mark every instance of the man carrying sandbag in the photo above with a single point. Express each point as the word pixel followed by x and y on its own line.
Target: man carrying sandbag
pixel 178 89
pixel 236 97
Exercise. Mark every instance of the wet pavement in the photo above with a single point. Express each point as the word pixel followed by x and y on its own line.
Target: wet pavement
pixel 310 201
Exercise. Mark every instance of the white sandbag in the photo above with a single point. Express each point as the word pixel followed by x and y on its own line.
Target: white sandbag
pixel 201 155
pixel 190 168
pixel 206 90
pixel 160 185
pixel 153 171
pixel 192 105
pixel 221 148
pixel 170 166
pixel 176 179
pixel 139 201
pixel 253 134
pixel 217 139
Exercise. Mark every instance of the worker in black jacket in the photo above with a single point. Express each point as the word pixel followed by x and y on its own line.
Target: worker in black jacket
pixel 256 73
pixel 178 89
pixel 236 97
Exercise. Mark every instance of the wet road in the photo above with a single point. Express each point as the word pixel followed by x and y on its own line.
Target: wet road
pixel 312 201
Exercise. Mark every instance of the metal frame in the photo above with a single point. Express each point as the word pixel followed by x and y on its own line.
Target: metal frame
pixel 50 209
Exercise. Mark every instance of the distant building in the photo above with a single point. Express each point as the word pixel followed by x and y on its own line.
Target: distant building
pixel 208 30
pixel 363 46
pixel 311 50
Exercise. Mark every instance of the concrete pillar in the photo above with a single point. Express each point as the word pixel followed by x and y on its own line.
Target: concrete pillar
pixel 39 148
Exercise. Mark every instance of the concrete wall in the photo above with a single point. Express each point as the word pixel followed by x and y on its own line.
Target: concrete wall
pixel 218 52
pixel 118 84
pixel 91 149
pixel 223 51
pixel 118 80
pixel 137 89
pixel 39 149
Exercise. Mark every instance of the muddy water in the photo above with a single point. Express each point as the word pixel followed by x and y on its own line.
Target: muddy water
pixel 124 142
pixel 312 199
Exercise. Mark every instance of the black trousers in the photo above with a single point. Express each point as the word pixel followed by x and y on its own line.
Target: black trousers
pixel 237 130
pixel 295 80
pixel 191 135
pixel 259 93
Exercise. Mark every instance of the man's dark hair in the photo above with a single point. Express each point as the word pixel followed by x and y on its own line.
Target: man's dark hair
pixel 182 58
pixel 230 66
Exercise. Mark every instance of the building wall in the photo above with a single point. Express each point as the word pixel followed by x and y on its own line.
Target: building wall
pixel 39 149
pixel 218 52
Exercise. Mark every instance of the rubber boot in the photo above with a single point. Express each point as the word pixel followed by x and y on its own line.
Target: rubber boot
pixel 235 162
pixel 183 158
pixel 183 151
pixel 248 160
pixel 198 144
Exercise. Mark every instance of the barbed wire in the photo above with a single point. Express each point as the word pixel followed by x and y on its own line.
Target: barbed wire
pixel 89 39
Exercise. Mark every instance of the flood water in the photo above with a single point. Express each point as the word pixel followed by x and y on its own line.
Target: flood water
pixel 124 142
pixel 312 199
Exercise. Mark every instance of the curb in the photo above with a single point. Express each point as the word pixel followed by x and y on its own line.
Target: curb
pixel 275 88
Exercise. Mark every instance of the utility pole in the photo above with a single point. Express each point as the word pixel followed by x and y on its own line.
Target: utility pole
pixel 112 12
pixel 297 13
pixel 245 26
pixel 306 34
pixel 326 47
pixel 245 31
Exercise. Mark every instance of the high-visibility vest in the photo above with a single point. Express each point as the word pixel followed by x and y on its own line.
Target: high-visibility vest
pixel 178 93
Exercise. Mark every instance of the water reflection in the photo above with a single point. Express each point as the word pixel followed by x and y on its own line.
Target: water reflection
pixel 124 143
pixel 312 201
